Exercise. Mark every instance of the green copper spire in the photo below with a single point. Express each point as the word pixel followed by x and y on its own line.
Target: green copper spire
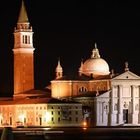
pixel 23 18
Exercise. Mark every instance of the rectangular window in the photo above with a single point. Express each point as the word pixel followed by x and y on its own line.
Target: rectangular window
pixel 76 119
pixel 23 39
pixel 59 119
pixel 58 112
pixel 28 39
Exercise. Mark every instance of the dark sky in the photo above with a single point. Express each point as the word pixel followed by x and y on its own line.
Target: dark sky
pixel 69 29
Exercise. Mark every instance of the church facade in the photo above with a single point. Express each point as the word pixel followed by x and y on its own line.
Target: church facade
pixel 109 99
pixel 95 96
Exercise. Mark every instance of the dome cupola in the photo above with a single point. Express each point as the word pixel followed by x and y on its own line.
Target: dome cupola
pixel 95 65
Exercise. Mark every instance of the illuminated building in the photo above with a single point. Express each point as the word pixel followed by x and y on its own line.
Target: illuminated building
pixel 94 97
pixel 107 98
pixel 30 107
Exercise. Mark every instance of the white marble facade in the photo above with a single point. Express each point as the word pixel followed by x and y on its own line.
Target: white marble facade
pixel 120 105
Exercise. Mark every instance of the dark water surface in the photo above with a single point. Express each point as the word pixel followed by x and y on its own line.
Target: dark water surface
pixel 81 134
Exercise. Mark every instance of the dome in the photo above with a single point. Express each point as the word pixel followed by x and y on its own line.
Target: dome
pixel 95 65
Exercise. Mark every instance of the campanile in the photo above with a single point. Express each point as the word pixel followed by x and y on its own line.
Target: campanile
pixel 23 54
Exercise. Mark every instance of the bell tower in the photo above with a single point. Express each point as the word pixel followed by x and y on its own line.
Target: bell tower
pixel 23 54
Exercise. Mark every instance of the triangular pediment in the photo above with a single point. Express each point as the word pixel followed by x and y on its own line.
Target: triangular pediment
pixel 127 75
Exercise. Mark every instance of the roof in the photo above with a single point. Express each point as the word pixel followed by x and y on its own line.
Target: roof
pixel 90 94
pixel 32 97
pixel 82 78
pixel 23 18
pixel 127 75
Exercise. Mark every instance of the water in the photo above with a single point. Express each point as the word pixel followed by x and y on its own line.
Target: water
pixel 88 134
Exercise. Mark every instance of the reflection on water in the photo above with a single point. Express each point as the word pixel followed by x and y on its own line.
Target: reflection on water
pixel 77 137
pixel 81 134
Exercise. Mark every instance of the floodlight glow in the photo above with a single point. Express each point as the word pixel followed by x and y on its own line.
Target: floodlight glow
pixel 21 117
pixel 47 116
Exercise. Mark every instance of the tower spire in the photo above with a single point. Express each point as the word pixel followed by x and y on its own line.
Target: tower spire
pixel 59 70
pixel 23 18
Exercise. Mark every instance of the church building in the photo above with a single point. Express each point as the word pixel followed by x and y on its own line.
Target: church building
pixel 95 96
pixel 108 99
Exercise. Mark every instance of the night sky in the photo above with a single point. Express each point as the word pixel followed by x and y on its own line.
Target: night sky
pixel 68 30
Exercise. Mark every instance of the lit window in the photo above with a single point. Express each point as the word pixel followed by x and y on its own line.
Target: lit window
pixel 82 89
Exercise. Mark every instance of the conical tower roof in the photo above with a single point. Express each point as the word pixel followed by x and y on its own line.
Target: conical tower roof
pixel 23 18
pixel 59 67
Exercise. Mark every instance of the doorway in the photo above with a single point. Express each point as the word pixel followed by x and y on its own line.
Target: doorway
pixel 125 115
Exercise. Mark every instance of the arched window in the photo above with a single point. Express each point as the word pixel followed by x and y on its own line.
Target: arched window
pixel 82 89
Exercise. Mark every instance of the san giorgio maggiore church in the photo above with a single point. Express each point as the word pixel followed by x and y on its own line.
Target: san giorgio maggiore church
pixel 94 97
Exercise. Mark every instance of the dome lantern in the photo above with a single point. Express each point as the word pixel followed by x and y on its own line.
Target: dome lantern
pixel 95 52
pixel 95 65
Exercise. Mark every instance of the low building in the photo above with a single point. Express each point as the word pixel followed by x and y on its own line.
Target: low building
pixel 38 110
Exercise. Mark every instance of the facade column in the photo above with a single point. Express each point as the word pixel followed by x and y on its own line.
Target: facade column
pixel 112 121
pixel 120 108
pixel 97 112
pixel 134 115
pixel 139 104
